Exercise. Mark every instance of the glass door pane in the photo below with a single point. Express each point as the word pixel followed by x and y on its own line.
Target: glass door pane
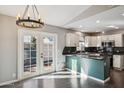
pixel 30 54
pixel 48 50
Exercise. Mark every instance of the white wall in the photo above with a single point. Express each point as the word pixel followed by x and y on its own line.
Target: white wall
pixel 8 46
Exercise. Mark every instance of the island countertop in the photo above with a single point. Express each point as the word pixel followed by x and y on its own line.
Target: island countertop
pixel 97 56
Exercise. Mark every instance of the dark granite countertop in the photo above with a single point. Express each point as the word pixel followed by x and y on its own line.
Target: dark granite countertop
pixel 96 56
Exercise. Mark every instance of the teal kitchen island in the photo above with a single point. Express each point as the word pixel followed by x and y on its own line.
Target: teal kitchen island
pixel 93 67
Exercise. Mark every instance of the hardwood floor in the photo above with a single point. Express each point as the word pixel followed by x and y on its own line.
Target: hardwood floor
pixel 116 80
pixel 65 79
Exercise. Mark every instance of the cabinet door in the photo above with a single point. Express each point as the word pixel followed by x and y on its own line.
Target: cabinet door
pixel 76 40
pixel 118 40
pixel 111 37
pixel 117 61
pixel 94 41
pixel 99 41
pixel 72 39
pixel 68 39
pixel 87 41
pixel 104 38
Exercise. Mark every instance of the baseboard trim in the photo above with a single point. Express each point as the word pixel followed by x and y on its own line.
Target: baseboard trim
pixel 102 81
pixel 120 69
pixel 106 80
pixel 9 82
pixel 96 79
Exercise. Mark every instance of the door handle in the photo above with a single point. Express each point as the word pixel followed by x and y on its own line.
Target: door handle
pixel 41 55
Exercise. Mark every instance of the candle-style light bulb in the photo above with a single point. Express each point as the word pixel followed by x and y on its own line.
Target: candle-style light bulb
pixel 39 18
pixel 32 24
pixel 18 17
pixel 28 15
pixel 23 24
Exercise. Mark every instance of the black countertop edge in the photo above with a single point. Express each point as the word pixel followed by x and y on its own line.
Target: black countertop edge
pixel 88 57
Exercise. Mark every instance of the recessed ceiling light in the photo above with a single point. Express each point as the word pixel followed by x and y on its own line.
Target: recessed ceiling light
pixel 97 31
pixel 111 26
pixel 122 14
pixel 82 30
pixel 97 21
pixel 103 32
pixel 116 27
pixel 79 33
pixel 80 26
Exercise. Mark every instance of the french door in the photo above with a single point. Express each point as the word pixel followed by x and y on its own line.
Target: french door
pixel 48 52
pixel 36 53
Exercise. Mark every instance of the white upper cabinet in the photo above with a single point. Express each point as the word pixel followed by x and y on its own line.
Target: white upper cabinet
pixel 99 40
pixel 111 37
pixel 104 38
pixel 118 40
pixel 72 39
pixel 107 37
pixel 93 41
pixel 87 41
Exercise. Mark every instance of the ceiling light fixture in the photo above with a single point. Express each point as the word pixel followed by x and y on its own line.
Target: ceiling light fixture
pixel 112 26
pixel 28 21
pixel 122 14
pixel 116 27
pixel 98 21
pixel 103 32
pixel 80 26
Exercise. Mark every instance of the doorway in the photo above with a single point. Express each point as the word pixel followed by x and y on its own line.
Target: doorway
pixel 36 53
pixel 48 54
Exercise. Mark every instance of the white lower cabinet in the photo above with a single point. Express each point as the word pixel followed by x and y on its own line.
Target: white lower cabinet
pixel 118 61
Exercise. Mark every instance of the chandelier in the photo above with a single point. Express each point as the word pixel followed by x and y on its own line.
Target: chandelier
pixel 28 21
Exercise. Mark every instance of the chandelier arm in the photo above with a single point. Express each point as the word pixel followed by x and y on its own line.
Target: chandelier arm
pixel 36 9
pixel 26 9
pixel 33 12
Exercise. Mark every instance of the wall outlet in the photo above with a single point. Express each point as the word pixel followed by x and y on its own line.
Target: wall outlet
pixel 14 75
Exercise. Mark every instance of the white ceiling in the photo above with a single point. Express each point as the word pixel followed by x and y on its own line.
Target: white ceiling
pixel 52 14
pixel 77 17
pixel 107 19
